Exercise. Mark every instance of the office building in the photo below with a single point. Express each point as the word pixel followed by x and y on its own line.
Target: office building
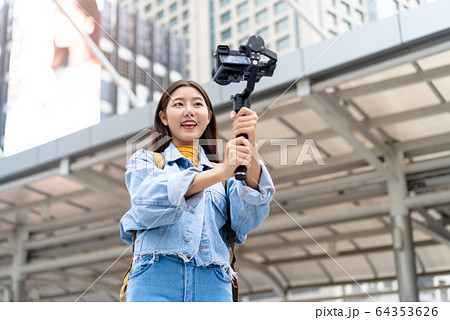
pixel 206 24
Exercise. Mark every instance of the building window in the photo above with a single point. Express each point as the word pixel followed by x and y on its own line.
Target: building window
pixel 386 8
pixel 264 33
pixel 331 19
pixel 282 24
pixel 262 16
pixel 331 3
pixel 283 43
pixel 123 68
pixel 173 21
pixel 185 15
pixel 185 29
pixel 226 34
pixel 280 6
pixel 160 15
pixel 360 15
pixel 243 41
pixel 173 7
pixel 141 76
pixel 148 8
pixel 224 2
pixel 225 17
pixel 258 2
pixel 243 25
pixel 185 2
pixel 347 25
pixel 242 8
pixel 160 2
pixel 345 8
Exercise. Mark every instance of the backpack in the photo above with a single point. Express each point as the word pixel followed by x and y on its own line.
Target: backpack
pixel 160 162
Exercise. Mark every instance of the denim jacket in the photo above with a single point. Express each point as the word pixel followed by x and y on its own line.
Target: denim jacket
pixel 191 228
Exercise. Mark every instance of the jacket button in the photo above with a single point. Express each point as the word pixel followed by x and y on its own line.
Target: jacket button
pixel 187 238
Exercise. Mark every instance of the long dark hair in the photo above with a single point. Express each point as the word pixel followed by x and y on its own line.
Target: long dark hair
pixel 90 8
pixel 210 133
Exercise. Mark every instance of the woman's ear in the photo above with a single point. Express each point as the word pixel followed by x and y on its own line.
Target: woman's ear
pixel 163 118
pixel 209 116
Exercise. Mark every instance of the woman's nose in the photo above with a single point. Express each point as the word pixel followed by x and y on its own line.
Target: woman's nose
pixel 189 109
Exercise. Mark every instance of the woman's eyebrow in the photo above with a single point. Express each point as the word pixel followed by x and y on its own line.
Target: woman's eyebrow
pixel 182 99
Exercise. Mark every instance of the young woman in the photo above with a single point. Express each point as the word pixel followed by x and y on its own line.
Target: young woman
pixel 179 212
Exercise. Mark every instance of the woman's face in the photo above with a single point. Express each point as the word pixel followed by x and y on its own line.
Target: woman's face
pixel 186 106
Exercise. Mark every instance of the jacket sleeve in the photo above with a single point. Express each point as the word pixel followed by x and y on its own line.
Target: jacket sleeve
pixel 249 207
pixel 157 197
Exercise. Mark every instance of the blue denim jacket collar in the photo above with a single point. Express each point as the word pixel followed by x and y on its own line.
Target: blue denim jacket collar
pixel 171 153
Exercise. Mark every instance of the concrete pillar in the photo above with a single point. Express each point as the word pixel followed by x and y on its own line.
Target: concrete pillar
pixel 402 231
pixel 19 259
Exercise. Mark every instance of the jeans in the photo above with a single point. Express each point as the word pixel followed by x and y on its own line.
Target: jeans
pixel 159 278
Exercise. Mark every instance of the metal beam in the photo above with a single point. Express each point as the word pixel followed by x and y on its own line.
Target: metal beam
pixel 344 253
pixel 321 104
pixel 346 282
pixel 427 111
pixel 353 123
pixel 390 84
pixel 243 249
pixel 49 200
pixel 78 220
pixel 308 170
pixel 71 262
pixel 435 235
pixel 384 65
pixel 276 285
pixel 72 237
pixel 330 185
pixel 285 223
pixel 102 184
pixel 433 228
pixel 425 145
pixel 328 200
pixel 376 122
pixel 77 248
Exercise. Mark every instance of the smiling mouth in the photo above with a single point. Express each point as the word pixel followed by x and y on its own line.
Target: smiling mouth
pixel 189 125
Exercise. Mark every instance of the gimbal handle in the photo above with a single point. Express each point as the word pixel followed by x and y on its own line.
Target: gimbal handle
pixel 243 100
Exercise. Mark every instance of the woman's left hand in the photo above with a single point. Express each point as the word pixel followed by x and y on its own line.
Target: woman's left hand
pixel 245 122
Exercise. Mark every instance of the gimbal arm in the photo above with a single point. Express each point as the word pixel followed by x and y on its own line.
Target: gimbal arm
pixel 243 100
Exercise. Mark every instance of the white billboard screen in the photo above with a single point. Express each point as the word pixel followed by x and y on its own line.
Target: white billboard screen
pixel 54 79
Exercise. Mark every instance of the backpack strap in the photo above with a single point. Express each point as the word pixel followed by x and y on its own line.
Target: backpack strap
pixel 123 289
pixel 160 162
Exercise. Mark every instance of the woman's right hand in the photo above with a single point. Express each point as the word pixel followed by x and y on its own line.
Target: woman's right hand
pixel 238 152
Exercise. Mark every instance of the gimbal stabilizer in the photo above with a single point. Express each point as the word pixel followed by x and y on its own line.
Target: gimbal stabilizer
pixel 245 64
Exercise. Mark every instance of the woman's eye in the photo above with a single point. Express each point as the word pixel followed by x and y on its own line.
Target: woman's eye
pixel 198 104
pixel 178 104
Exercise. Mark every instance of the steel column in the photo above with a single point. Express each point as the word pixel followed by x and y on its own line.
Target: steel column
pixel 402 231
pixel 19 260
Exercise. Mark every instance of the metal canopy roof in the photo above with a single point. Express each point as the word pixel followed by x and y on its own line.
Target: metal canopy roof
pixel 377 115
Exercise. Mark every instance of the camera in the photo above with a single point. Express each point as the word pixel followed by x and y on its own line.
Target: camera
pixel 235 65
pixel 243 64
